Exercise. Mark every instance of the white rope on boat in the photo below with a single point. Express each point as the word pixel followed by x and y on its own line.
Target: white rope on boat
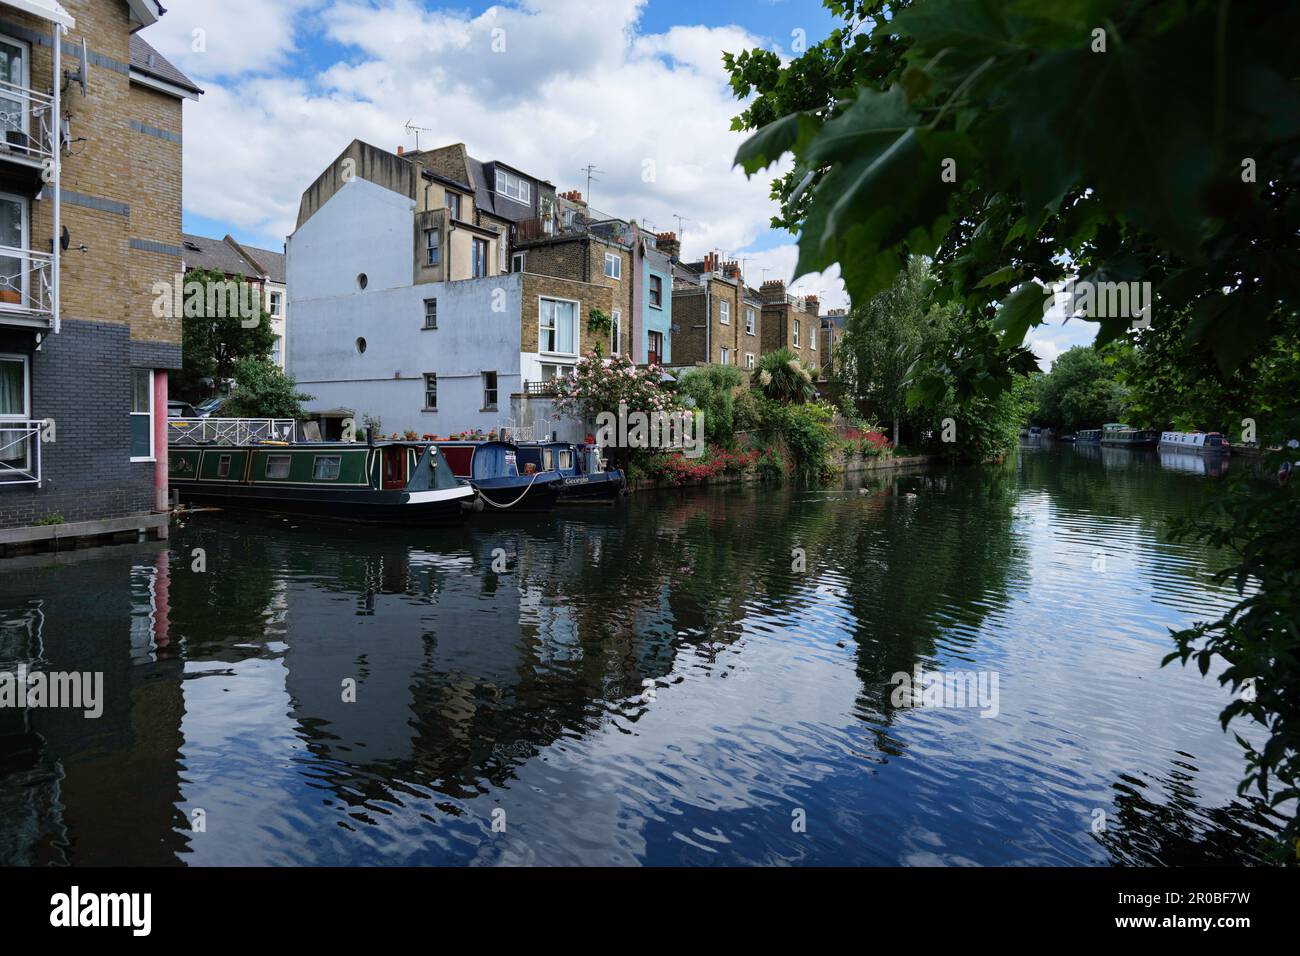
pixel 517 500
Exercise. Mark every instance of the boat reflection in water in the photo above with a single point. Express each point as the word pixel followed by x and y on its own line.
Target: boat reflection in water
pixel 1194 462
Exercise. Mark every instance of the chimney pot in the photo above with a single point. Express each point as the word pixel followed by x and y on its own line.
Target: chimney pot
pixel 401 150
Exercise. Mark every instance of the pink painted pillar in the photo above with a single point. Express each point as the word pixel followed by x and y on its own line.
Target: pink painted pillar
pixel 160 439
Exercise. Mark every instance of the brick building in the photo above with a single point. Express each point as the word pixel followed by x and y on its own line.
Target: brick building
pixel 90 224
pixel 401 306
pixel 717 318
pixel 791 322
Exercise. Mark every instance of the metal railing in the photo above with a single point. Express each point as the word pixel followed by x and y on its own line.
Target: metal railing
pixel 26 127
pixel 26 281
pixel 20 441
pixel 229 431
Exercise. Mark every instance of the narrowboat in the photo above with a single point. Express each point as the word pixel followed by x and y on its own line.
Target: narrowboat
pixel 1088 435
pixel 1126 436
pixel 1200 443
pixel 503 482
pixel 387 482
pixel 583 480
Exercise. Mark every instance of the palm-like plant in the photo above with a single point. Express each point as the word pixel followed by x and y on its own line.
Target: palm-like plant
pixel 781 376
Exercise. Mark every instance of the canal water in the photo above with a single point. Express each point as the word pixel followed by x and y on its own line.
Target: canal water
pixel 694 677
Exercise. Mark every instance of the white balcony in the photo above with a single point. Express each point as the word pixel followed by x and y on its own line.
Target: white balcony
pixel 27 127
pixel 26 288
pixel 229 431
pixel 20 452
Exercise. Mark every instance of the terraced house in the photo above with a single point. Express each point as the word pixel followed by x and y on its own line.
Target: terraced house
pixel 717 318
pixel 90 221
pixel 261 268
pixel 404 304
pixel 791 322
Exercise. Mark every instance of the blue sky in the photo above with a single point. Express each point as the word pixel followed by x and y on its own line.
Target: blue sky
pixel 634 86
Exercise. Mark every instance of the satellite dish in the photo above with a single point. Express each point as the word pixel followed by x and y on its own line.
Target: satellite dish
pixel 83 67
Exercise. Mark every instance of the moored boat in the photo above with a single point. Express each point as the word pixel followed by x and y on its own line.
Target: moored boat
pixel 1195 442
pixel 583 479
pixel 1126 436
pixel 503 482
pixel 387 482
pixel 1088 435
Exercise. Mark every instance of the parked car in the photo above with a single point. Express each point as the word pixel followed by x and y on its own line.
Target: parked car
pixel 181 410
pixel 208 406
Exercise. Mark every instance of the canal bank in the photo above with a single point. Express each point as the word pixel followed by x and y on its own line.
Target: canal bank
pixel 674 680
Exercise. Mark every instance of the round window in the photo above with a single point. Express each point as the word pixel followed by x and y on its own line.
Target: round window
pixel 361 346
pixel 362 280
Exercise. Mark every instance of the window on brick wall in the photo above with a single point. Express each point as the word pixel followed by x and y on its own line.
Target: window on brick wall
pixel 796 333
pixel 13 233
pixel 618 331
pixel 14 391
pixel 517 262
pixel 724 355
pixel 749 360
pixel 613 265
pixel 558 326
pixel 14 71
pixel 724 312
pixel 750 320
pixel 142 414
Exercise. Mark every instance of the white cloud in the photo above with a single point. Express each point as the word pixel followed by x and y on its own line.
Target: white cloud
pixel 575 84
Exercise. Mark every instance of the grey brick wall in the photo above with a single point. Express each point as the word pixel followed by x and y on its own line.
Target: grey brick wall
pixel 81 378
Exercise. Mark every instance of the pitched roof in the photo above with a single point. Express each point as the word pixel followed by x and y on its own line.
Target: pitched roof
pixel 230 257
pixel 145 59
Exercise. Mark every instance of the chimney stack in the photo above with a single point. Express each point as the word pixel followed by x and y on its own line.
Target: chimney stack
pixel 710 262
pixel 811 304
pixel 401 150
pixel 773 291
pixel 667 243
pixel 731 269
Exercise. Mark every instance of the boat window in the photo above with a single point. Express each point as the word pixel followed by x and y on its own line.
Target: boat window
pixel 566 460
pixel 223 466
pixel 326 467
pixel 277 466
pixel 550 460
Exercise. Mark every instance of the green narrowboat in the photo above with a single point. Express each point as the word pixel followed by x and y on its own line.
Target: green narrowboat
pixel 1126 436
pixel 388 482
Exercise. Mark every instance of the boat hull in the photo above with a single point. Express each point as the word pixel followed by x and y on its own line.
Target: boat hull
pixel 404 508
pixel 513 495
pixel 602 488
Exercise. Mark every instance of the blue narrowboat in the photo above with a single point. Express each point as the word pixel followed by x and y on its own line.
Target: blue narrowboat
pixel 1197 442
pixel 503 481
pixel 583 480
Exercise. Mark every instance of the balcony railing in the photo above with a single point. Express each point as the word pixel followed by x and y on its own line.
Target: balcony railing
pixel 20 452
pixel 26 124
pixel 26 284
pixel 229 431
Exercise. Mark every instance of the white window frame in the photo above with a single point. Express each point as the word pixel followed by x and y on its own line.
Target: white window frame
pixel 796 333
pixel 522 187
pixel 724 355
pixel 650 289
pixel 614 266
pixel 274 297
pixel 435 248
pixel 26 414
pixel 750 320
pixel 277 349
pixel 749 360
pixel 316 463
pixel 475 244
pixel 449 198
pixel 26 80
pixel 25 205
pixel 517 262
pixel 424 379
pixel 724 311
pixel 618 331
pixel 149 414
pixel 426 326
pixel 577 327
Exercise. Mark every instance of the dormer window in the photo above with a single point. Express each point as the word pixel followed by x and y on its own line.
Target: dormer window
pixel 513 187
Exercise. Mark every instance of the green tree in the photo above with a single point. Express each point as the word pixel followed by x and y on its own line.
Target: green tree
pixel 262 390
pixel 216 334
pixel 1081 391
pixel 713 389
pixel 883 341
pixel 780 375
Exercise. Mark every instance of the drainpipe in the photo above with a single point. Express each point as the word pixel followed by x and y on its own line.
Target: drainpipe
pixel 56 182
pixel 708 321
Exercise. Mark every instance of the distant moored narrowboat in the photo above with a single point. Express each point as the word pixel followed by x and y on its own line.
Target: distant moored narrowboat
pixel 1197 442
pixel 1126 436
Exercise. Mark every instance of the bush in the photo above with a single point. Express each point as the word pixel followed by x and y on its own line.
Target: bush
pixel 262 390
pixel 809 437
pixel 771 465
pixel 781 376
pixel 714 390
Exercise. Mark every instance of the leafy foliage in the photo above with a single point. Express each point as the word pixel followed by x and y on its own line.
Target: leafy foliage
pixel 714 390
pixel 214 343
pixel 600 384
pixel 1081 391
pixel 782 377
pixel 262 390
